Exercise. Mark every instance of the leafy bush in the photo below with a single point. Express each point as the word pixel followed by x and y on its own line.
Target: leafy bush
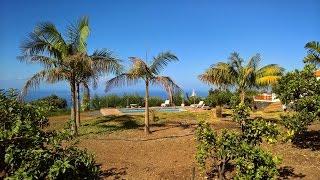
pixel 179 98
pixel 255 163
pixel 255 130
pixel 235 100
pixel 241 113
pixel 155 101
pixel 98 102
pixel 219 149
pixel 240 150
pixel 301 90
pixel 28 152
pixel 296 123
pixel 218 98
pixel 55 101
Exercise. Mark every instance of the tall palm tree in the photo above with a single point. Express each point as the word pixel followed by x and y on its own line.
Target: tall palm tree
pixel 242 77
pixel 149 73
pixel 313 56
pixel 61 57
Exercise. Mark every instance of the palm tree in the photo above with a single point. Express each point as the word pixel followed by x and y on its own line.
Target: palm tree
pixel 149 73
pixel 61 57
pixel 100 62
pixel 216 75
pixel 242 77
pixel 313 56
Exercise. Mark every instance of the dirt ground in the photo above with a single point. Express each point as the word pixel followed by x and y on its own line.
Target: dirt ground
pixel 169 152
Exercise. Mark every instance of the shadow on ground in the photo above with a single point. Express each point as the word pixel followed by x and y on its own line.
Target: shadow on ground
pixel 287 172
pixel 114 172
pixel 308 140
pixel 113 123
pixel 109 124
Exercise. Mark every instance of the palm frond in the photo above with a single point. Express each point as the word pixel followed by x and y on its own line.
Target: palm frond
pixel 36 44
pixel 140 68
pixel 45 61
pixel 50 76
pixel 235 60
pixel 313 47
pixel 271 69
pixel 219 74
pixel 254 61
pixel 312 58
pixel 160 61
pixel 267 80
pixel 168 84
pixel 104 61
pixel 78 34
pixel 121 80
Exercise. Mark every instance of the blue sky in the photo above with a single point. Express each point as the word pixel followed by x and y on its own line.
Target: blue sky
pixel 199 32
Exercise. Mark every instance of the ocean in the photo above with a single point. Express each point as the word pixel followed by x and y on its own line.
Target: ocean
pixel 37 94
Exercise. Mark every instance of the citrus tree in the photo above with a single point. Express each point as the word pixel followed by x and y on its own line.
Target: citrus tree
pixel 229 150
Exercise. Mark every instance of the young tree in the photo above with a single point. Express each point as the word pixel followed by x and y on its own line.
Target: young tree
pixel 222 151
pixel 149 73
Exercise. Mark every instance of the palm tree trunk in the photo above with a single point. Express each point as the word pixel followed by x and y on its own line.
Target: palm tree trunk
pixel 73 109
pixel 78 105
pixel 146 117
pixel 242 96
pixel 86 96
pixel 219 111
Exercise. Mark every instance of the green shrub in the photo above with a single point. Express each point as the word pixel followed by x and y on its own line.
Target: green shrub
pixel 155 101
pixel 98 102
pixel 255 163
pixel 28 152
pixel 55 101
pixel 240 150
pixel 255 130
pixel 300 90
pixel 297 122
pixel 218 98
pixel 178 99
pixel 241 113
pixel 235 100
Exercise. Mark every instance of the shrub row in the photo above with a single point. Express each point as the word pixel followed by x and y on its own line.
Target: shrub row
pixel 113 100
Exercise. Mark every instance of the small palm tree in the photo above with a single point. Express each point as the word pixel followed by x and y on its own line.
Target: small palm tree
pixel 313 56
pixel 63 59
pixel 149 73
pixel 216 75
pixel 242 77
pixel 100 62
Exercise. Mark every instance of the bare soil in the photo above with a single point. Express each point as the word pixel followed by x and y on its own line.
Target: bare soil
pixel 168 153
